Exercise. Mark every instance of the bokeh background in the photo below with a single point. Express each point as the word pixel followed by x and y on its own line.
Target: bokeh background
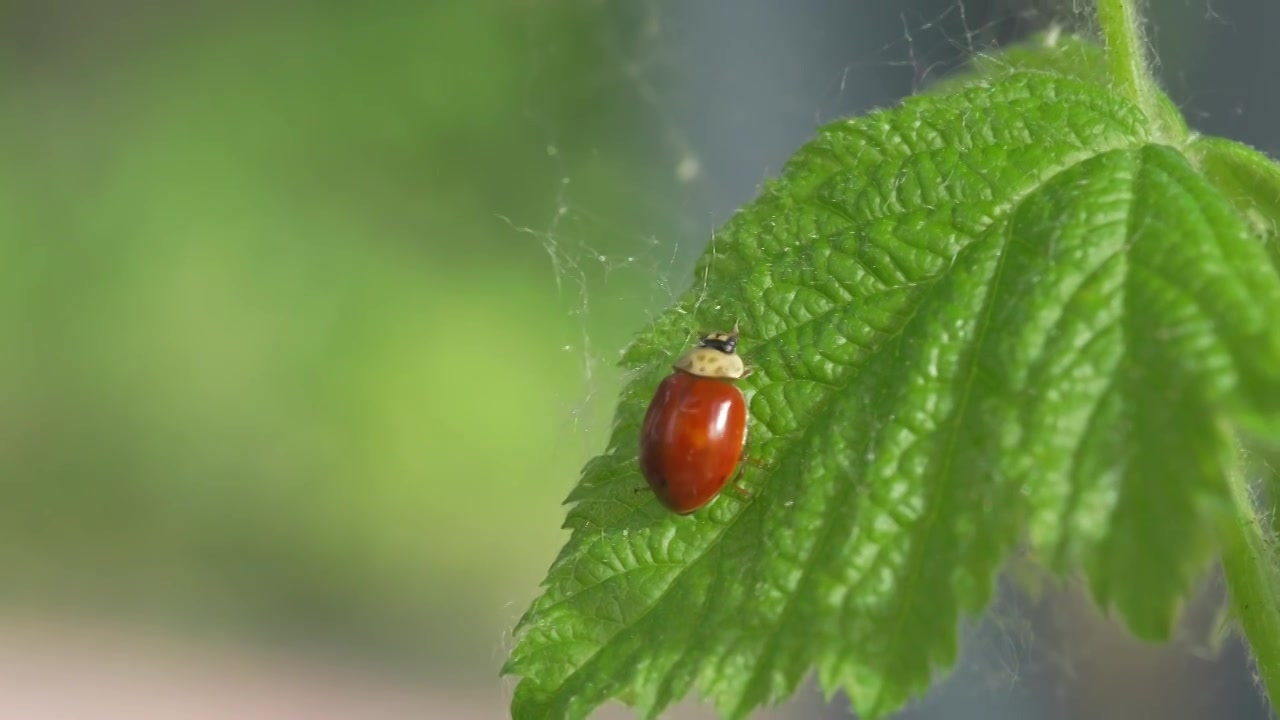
pixel 309 315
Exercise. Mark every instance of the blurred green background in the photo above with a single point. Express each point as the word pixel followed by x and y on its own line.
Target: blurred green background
pixel 309 312
pixel 278 359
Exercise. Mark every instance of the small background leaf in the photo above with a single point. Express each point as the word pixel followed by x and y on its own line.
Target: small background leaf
pixel 1052 51
pixel 1249 179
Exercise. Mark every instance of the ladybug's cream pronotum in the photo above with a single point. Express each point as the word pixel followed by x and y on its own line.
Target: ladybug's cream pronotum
pixel 696 427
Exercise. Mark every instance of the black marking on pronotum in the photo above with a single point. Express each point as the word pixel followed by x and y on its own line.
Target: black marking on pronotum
pixel 726 345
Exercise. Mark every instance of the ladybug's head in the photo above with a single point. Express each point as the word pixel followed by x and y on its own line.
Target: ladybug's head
pixel 725 342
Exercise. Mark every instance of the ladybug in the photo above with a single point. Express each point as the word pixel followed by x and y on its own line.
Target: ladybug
pixel 695 429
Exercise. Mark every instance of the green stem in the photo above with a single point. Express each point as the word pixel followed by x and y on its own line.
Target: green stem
pixel 1252 570
pixel 1122 33
pixel 1121 26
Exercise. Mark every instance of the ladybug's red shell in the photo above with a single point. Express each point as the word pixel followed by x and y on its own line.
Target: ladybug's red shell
pixel 692 440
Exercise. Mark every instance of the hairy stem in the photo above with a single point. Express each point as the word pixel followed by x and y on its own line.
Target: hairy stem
pixel 1122 33
pixel 1121 26
pixel 1252 570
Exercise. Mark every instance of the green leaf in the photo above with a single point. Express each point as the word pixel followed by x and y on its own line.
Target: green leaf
pixel 988 316
pixel 1251 562
pixel 1249 179
pixel 1065 55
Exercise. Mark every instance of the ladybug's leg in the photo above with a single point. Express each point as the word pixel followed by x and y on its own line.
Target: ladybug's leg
pixel 742 492
pixel 735 481
pixel 737 486
pixel 749 459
